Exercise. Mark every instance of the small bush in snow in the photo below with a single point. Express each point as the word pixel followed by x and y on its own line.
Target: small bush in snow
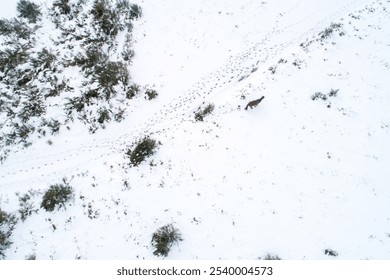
pixel 164 238
pixel 330 252
pixel 272 257
pixel 145 148
pixel 151 94
pixel 57 195
pixel 135 11
pixel 329 30
pixel 319 95
pixel 7 224
pixel 29 10
pixel 26 206
pixel 104 115
pixel 108 75
pixel 201 113
pixel 132 91
pixel 31 257
pixel 106 19
pixel 333 92
pixel 62 6
pixel 14 27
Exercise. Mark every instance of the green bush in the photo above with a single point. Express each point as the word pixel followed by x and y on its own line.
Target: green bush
pixel 29 10
pixel 144 148
pixel 164 238
pixel 7 225
pixel 57 195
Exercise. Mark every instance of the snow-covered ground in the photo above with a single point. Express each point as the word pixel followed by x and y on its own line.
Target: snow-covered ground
pixel 292 177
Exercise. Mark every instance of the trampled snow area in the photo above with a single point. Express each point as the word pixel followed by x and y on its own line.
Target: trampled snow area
pixel 292 177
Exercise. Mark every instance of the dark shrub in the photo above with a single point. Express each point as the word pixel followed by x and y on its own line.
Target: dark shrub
pixel 329 30
pixel 74 104
pixel 151 94
pixel 57 195
pixel 201 113
pixel 145 148
pixel 164 238
pixel 29 10
pixel 110 74
pixel 104 115
pixel 26 206
pixel 133 90
pixel 135 11
pixel 63 6
pixel 272 257
pixel 31 257
pixel 107 20
pixel 330 252
pixel 7 224
pixel 44 59
pixel 333 92
pixel 14 26
pixel 319 95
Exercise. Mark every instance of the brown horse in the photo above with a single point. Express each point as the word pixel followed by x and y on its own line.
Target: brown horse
pixel 254 103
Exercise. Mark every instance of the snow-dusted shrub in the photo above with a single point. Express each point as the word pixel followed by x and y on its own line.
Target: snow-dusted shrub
pixel 31 257
pixel 29 10
pixel 135 11
pixel 333 92
pixel 201 113
pixel 330 252
pixel 319 95
pixel 322 96
pixel 143 149
pixel 272 257
pixel 43 59
pixel 34 106
pixel 329 30
pixel 106 19
pixel 62 6
pixel 132 91
pixel 34 68
pixel 164 238
pixel 110 74
pixel 15 27
pixel 27 207
pixel 104 115
pixel 57 195
pixel 151 94
pixel 7 224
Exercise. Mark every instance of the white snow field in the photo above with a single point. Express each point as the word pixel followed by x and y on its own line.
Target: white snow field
pixel 291 178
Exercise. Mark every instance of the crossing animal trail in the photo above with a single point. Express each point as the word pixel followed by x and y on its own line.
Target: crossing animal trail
pixel 254 103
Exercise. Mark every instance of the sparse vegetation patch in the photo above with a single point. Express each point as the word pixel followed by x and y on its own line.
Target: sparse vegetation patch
pixel 164 238
pixel 143 149
pixel 7 224
pixel 202 113
pixel 34 69
pixel 57 195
